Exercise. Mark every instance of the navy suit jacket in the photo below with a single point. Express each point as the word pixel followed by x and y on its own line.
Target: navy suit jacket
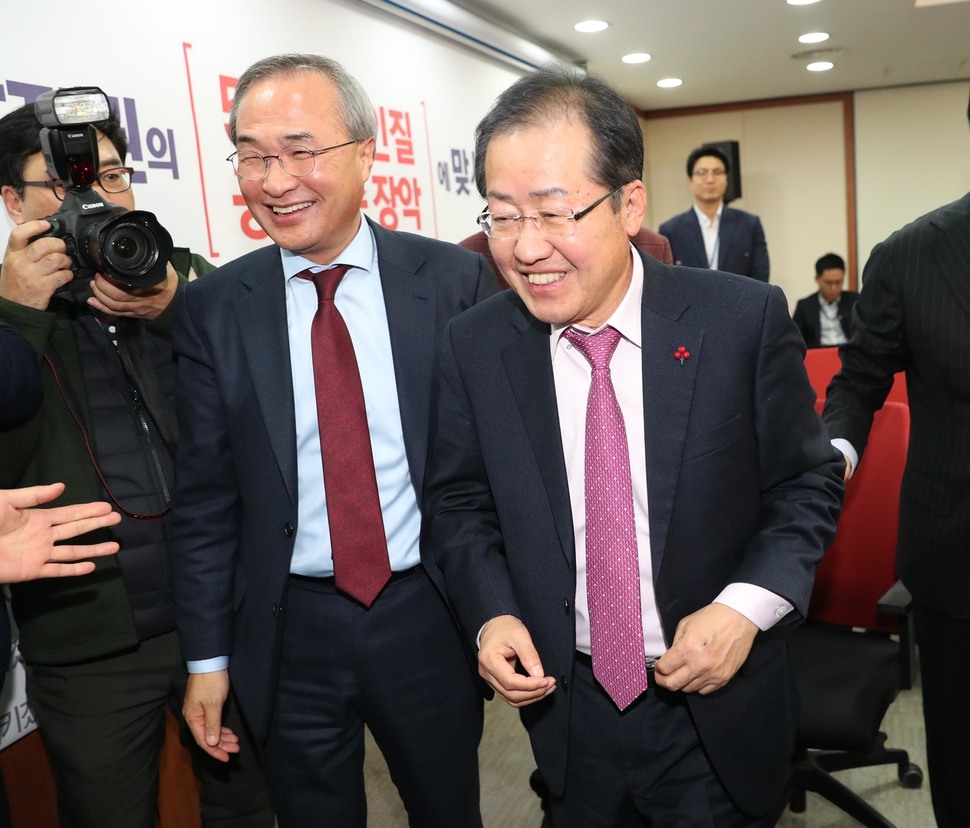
pixel 807 317
pixel 743 486
pixel 235 513
pixel 741 248
pixel 913 315
pixel 20 386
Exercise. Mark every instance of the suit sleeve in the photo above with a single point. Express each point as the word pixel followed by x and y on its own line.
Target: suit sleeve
pixel 20 387
pixel 204 525
pixel 464 527
pixel 870 359
pixel 760 268
pixel 801 474
pixel 800 319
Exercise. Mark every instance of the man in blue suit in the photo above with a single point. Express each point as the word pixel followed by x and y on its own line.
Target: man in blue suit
pixel 728 499
pixel 262 594
pixel 711 234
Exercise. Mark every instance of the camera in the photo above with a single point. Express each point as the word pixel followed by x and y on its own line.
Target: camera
pixel 130 247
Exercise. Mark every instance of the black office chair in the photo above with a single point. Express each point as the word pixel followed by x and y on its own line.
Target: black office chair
pixel 856 650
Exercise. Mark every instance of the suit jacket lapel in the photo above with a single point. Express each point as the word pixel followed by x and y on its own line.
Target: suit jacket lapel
pixel 410 302
pixel 668 393
pixel 529 368
pixel 261 315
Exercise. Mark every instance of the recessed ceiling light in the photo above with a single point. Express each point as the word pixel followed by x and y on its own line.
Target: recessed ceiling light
pixel 814 37
pixel 669 83
pixel 820 66
pixel 801 2
pixel 587 26
pixel 636 57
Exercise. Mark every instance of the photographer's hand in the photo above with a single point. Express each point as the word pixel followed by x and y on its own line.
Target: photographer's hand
pixel 32 271
pixel 138 303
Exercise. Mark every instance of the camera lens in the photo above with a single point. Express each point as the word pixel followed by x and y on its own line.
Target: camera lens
pixel 124 247
pixel 133 249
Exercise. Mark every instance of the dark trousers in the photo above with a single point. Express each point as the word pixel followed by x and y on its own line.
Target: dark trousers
pixel 398 667
pixel 103 725
pixel 944 652
pixel 642 767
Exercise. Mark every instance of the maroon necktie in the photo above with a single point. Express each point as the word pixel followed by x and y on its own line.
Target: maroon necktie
pixel 612 567
pixel 360 562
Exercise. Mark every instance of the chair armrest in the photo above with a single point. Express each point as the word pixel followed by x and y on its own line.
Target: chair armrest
pixel 898 601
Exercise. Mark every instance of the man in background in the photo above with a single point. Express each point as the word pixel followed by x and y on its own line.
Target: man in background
pixel 297 537
pixel 101 651
pixel 913 315
pixel 825 317
pixel 626 540
pixel 711 234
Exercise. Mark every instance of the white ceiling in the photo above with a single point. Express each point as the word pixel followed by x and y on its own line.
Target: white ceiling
pixel 738 50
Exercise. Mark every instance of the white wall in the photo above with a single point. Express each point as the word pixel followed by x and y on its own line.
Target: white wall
pixel 912 155
pixel 169 65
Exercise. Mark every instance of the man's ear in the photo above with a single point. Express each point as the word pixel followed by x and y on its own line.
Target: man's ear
pixel 634 206
pixel 13 203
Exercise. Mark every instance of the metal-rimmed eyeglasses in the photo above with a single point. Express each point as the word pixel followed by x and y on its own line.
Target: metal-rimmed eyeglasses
pixel 551 223
pixel 114 180
pixel 297 161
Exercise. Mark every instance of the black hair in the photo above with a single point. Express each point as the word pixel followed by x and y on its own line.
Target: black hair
pixel 20 138
pixel 556 92
pixel 702 152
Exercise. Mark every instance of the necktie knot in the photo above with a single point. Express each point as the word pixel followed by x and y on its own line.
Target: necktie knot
pixel 325 281
pixel 598 348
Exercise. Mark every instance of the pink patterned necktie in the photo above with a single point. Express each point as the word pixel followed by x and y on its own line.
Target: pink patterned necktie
pixel 612 568
pixel 360 563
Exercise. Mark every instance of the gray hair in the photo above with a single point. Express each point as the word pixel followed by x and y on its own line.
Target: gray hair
pixel 353 108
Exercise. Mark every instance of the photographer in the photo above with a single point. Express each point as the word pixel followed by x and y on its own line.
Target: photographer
pixel 101 650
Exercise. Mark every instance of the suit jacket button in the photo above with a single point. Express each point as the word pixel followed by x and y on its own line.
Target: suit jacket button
pixel 288 529
pixel 563 683
pixel 567 606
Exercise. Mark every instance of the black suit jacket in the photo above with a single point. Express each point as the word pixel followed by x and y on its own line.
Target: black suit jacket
pixel 235 509
pixel 807 316
pixel 742 486
pixel 913 315
pixel 741 249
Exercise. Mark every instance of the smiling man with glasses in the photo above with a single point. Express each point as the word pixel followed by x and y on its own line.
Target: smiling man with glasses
pixel 306 381
pixel 629 487
pixel 711 234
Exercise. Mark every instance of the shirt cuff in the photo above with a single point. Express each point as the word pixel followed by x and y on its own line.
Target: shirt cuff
pixel 759 605
pixel 845 447
pixel 208 665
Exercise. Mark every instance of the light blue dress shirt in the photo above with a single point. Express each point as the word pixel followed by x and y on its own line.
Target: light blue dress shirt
pixel 360 300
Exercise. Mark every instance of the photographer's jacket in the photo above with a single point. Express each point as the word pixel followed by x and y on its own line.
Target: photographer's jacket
pixel 107 422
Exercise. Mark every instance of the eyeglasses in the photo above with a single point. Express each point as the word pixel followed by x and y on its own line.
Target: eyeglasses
pixel 551 223
pixel 297 161
pixel 114 180
pixel 703 172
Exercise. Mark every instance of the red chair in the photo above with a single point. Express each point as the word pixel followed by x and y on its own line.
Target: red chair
pixel 823 363
pixel 848 665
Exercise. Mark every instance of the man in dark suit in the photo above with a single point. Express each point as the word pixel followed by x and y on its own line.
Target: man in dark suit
pixel 263 583
pixel 913 315
pixel 825 317
pixel 651 243
pixel 732 498
pixel 711 234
